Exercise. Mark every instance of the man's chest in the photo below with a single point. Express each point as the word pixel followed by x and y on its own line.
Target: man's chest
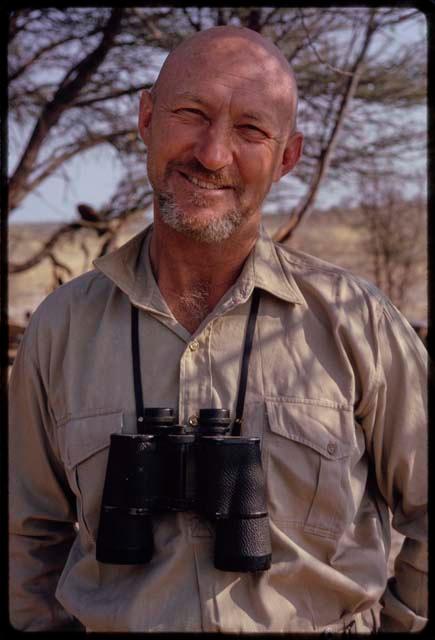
pixel 309 439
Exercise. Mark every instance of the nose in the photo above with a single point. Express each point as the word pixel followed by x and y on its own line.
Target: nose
pixel 213 150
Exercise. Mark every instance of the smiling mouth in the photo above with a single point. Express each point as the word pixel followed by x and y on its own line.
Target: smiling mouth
pixel 202 184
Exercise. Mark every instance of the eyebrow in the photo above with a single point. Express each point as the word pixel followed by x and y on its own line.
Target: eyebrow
pixel 258 117
pixel 193 98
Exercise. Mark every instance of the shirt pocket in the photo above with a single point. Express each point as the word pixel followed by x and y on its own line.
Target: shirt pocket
pixel 84 445
pixel 308 451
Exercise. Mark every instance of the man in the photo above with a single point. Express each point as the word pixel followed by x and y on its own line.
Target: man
pixel 335 387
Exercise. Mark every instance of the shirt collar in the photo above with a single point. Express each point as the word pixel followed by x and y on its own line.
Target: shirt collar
pixel 264 269
pixel 129 268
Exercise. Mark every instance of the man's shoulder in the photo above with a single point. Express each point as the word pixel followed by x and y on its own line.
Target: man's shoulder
pixel 73 298
pixel 300 261
pixel 87 287
pixel 326 278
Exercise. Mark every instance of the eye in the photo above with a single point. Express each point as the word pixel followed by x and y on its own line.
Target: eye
pixel 252 131
pixel 187 111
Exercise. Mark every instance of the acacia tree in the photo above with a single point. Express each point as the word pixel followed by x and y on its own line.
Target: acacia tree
pixel 392 236
pixel 75 75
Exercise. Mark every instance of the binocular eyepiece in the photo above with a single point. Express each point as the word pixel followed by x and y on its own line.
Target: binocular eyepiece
pixel 170 468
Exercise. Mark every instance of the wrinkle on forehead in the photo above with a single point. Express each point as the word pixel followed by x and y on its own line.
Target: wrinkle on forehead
pixel 236 55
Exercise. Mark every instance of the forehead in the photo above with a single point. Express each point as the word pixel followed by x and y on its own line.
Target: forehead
pixel 225 71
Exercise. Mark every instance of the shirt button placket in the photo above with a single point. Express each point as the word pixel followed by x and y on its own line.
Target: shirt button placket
pixel 193 374
pixel 196 377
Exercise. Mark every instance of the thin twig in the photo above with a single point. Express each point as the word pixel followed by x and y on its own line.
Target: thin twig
pixel 326 154
pixel 314 50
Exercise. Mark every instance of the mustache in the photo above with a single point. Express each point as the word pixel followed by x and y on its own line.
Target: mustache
pixel 219 179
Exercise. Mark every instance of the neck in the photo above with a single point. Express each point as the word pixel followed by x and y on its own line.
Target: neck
pixel 193 276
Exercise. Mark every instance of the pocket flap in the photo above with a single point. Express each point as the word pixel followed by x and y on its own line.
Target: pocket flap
pixel 81 438
pixel 327 430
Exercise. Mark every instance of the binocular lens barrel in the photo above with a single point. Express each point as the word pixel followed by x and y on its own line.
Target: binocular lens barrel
pixel 230 477
pixel 243 544
pixel 130 491
pixel 231 492
pixel 124 536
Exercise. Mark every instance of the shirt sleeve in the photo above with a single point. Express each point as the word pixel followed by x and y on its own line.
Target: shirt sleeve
pixel 41 506
pixel 396 425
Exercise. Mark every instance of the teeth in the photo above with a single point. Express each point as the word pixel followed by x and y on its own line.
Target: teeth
pixel 202 184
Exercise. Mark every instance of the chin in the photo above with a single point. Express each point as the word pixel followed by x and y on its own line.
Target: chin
pixel 204 226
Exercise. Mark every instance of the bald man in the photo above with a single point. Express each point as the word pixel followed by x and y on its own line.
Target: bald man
pixel 318 373
pixel 219 130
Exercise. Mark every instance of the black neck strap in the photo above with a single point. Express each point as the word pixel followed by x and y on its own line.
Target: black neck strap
pixel 137 376
pixel 249 338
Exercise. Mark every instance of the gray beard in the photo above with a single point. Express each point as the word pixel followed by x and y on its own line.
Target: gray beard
pixel 213 231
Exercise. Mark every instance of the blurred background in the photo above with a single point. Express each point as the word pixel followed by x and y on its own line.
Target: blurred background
pixel 77 168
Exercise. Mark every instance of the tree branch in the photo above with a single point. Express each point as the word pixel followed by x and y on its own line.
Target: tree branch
pixel 46 251
pixel 314 50
pixel 110 96
pixel 303 211
pixel 78 147
pixel 49 47
pixel 47 248
pixel 14 29
pixel 192 22
pixel 65 95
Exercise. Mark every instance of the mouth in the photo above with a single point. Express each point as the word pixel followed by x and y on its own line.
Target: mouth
pixel 204 184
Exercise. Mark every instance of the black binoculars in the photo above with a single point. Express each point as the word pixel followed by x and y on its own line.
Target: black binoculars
pixel 170 468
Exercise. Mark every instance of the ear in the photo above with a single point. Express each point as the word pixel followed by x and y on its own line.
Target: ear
pixel 291 154
pixel 145 111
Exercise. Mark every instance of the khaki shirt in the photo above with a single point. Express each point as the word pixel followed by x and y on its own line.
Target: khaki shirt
pixel 336 391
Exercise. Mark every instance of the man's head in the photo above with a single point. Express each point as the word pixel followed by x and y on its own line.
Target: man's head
pixel 219 125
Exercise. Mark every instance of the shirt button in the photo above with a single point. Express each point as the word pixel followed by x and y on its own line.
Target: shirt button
pixel 193 346
pixel 193 421
pixel 331 448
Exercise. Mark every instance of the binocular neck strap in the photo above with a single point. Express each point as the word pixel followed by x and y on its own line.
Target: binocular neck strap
pixel 137 376
pixel 249 338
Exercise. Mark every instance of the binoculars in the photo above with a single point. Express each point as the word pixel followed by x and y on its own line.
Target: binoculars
pixel 168 468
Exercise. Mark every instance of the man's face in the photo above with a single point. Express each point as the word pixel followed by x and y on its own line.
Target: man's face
pixel 217 133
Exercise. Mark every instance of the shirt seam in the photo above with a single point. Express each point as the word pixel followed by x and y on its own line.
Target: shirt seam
pixel 34 360
pixel 324 532
pixel 307 263
pixel 52 435
pixel 371 394
pixel 377 298
pixel 86 414
pixel 310 401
